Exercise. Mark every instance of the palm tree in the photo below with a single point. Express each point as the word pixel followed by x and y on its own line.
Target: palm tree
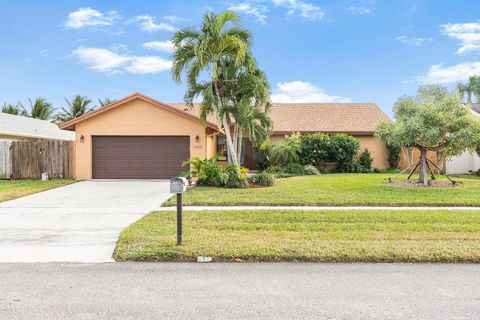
pixel 471 88
pixel 197 52
pixel 76 108
pixel 39 109
pixel 103 102
pixel 12 109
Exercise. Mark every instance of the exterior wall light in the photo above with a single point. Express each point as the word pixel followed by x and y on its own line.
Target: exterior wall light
pixel 197 138
pixel 82 138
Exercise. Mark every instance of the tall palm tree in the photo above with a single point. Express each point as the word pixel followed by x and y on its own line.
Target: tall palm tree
pixel 75 108
pixel 470 89
pixel 203 51
pixel 39 109
pixel 105 101
pixel 12 109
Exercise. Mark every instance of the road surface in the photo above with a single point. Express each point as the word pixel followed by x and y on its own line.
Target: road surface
pixel 239 291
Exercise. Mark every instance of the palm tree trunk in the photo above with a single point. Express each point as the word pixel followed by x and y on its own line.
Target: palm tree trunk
pixel 239 145
pixel 235 140
pixel 423 178
pixel 469 97
pixel 232 159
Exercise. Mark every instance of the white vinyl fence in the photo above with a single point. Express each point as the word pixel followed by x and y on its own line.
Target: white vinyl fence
pixel 5 159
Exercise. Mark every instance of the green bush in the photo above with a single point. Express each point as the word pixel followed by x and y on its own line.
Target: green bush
pixel 291 170
pixel 393 156
pixel 310 170
pixel 343 148
pixel 315 149
pixel 263 178
pixel 286 151
pixel 364 163
pixel 234 179
pixel 261 157
pixel 209 173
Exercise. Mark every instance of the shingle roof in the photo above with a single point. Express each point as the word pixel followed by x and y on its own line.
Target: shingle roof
pixel 24 127
pixel 327 117
pixel 354 118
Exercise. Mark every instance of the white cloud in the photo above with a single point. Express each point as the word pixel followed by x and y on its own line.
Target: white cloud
pixel 148 23
pixel 108 61
pixel 359 10
pixel 257 11
pixel 148 64
pixel 303 9
pixel 165 46
pixel 44 53
pixel 101 60
pixel 413 41
pixel 467 33
pixel 301 91
pixel 439 74
pixel 88 17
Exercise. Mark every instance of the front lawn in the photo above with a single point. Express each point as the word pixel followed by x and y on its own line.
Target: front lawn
pixel 287 235
pixel 338 190
pixel 11 189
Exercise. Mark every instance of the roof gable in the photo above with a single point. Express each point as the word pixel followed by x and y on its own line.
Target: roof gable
pixel 70 125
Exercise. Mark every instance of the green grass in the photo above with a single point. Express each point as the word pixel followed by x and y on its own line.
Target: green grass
pixel 338 190
pixel 287 235
pixel 11 189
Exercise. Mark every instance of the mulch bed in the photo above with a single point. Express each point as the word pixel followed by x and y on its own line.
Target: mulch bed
pixel 432 184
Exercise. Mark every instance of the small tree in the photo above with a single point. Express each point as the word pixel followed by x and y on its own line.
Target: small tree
pixel 433 120
pixel 393 158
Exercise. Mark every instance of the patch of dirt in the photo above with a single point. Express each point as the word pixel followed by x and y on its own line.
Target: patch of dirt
pixel 431 184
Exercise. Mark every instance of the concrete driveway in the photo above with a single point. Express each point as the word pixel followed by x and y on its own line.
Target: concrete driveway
pixel 79 222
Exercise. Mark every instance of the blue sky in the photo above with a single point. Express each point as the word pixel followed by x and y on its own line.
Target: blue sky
pixel 312 51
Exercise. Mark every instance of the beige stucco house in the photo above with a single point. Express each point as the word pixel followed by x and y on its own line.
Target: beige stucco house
pixel 140 137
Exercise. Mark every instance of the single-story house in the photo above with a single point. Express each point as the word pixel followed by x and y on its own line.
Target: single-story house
pixel 13 127
pixel 140 137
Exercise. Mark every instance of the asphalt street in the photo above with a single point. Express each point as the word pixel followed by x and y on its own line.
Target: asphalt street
pixel 239 291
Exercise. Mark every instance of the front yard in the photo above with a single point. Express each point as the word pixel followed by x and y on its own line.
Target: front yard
pixel 338 190
pixel 287 235
pixel 11 189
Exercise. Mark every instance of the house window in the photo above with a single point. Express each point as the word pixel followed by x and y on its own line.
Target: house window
pixel 221 148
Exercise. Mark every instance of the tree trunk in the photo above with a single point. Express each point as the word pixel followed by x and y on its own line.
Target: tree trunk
pixel 235 140
pixel 469 97
pixel 232 158
pixel 423 178
pixel 239 145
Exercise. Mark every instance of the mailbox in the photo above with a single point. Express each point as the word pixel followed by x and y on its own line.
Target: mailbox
pixel 178 185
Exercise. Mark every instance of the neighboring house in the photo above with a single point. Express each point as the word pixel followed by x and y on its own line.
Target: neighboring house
pixel 140 137
pixel 467 161
pixel 14 127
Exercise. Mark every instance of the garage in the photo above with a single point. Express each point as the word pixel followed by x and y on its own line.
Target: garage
pixel 139 157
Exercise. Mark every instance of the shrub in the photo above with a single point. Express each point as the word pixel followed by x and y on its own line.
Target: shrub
pixel 263 178
pixel 234 179
pixel 314 148
pixel 286 151
pixel 291 170
pixel 343 148
pixel 365 161
pixel 294 169
pixel 261 157
pixel 310 170
pixel 208 172
pixel 393 156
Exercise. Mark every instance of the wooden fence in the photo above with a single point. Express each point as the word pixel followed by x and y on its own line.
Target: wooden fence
pixel 5 159
pixel 29 159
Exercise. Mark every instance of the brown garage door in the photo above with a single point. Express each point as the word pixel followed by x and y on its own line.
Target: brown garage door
pixel 140 157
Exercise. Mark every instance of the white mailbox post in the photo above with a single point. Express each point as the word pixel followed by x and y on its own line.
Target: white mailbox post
pixel 178 185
